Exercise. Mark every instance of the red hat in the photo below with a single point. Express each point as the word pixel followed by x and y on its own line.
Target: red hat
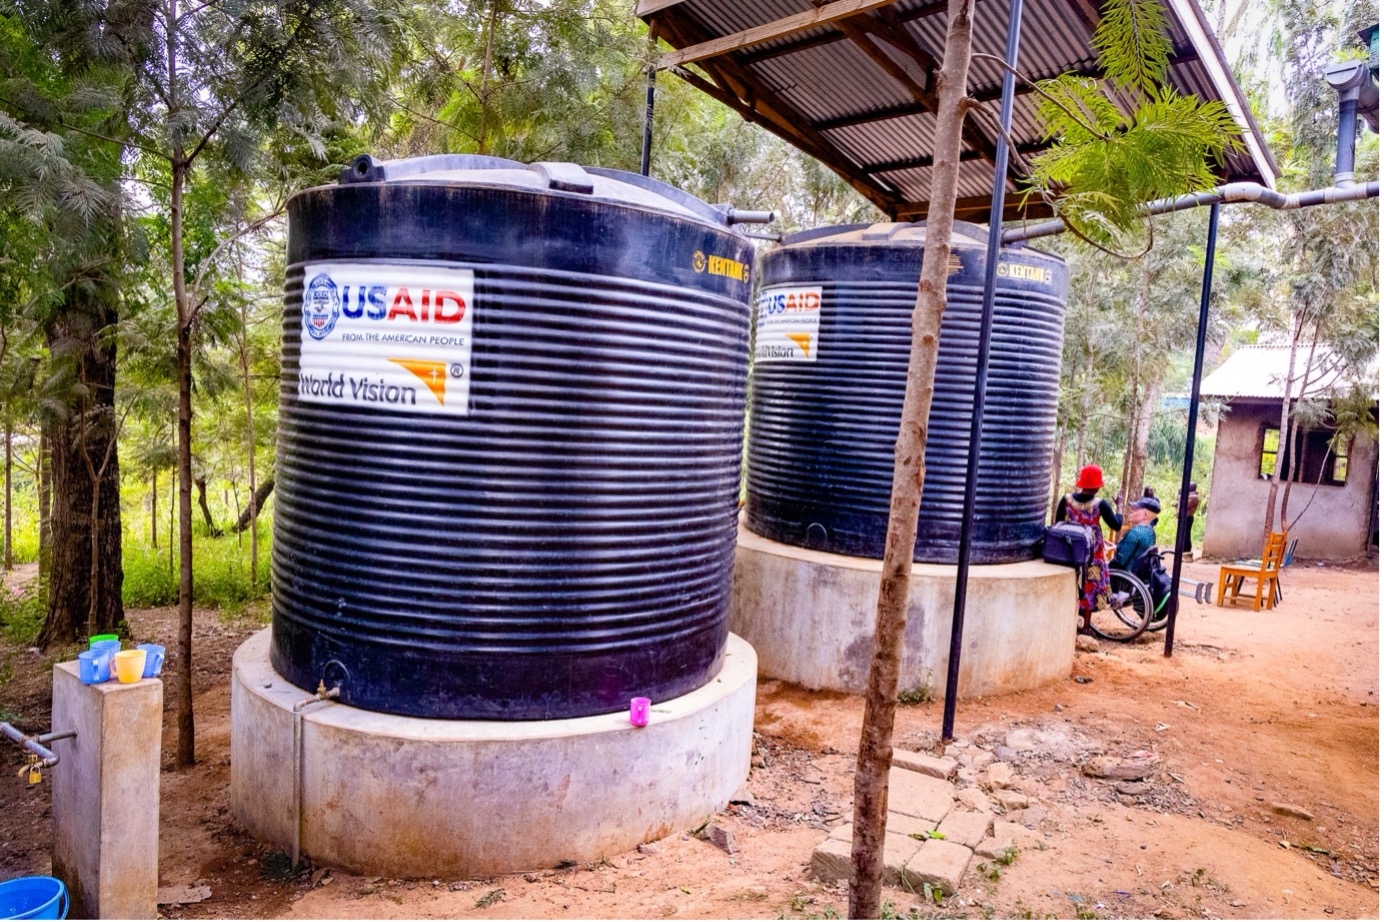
pixel 1090 478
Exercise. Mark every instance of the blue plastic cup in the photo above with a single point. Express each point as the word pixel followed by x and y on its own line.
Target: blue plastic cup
pixel 33 898
pixel 93 666
pixel 108 647
pixel 153 659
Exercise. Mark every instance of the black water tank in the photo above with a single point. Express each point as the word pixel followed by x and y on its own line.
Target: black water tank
pixel 510 430
pixel 831 359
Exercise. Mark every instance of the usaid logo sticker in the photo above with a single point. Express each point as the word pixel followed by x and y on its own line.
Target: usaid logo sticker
pixel 321 306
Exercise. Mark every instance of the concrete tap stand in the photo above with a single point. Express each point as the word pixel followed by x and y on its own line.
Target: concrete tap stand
pixel 106 795
pixel 810 616
pixel 407 797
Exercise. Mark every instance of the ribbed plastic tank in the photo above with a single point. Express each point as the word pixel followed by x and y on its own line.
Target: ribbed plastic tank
pixel 831 360
pixel 510 431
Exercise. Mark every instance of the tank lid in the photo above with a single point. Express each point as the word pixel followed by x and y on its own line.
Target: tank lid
pixel 594 182
pixel 894 233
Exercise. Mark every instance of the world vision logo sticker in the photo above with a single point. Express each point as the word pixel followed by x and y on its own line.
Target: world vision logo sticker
pixel 392 337
pixel 720 265
pixel 787 321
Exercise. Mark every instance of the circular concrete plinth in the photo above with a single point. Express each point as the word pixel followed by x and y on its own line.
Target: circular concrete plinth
pixel 810 617
pixel 407 797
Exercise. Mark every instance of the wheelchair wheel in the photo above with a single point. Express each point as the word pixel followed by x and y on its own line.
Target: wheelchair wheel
pixel 1130 610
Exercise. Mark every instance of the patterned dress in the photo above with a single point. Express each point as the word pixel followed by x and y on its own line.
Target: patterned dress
pixel 1095 584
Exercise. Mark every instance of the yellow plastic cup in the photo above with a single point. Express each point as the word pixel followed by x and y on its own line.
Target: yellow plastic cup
pixel 129 666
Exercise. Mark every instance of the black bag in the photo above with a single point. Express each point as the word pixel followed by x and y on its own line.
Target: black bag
pixel 1159 580
pixel 1067 544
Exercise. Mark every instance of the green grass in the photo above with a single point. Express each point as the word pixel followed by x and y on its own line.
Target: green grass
pixel 21 616
pixel 220 572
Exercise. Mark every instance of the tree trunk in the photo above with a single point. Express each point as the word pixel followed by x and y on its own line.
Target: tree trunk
pixel 1085 414
pixel 1282 426
pixel 251 512
pixel 9 496
pixel 154 510
pixel 1058 445
pixel 482 136
pixel 881 696
pixel 1143 425
pixel 85 544
pixel 1292 465
pixel 179 168
pixel 45 505
pixel 201 483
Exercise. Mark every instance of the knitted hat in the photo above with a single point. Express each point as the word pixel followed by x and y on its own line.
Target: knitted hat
pixel 1090 478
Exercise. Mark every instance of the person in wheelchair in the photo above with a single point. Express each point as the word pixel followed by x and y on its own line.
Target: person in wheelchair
pixel 1143 515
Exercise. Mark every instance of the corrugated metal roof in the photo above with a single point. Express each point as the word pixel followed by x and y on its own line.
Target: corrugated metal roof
pixel 1261 372
pixel 818 79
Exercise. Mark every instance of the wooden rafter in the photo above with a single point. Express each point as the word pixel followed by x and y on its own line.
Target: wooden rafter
pixel 734 86
pixel 977 208
pixel 915 163
pixel 832 36
pixel 779 28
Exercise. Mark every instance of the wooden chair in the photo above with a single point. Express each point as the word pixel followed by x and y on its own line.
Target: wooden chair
pixel 1265 575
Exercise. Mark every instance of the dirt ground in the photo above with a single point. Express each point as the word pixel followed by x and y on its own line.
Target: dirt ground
pixel 1258 721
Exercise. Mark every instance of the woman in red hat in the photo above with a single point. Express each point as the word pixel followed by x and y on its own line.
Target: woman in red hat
pixel 1083 507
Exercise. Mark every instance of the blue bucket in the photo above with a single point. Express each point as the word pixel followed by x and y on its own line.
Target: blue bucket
pixel 33 898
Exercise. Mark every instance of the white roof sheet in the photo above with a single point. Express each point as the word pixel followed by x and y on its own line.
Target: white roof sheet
pixel 1260 373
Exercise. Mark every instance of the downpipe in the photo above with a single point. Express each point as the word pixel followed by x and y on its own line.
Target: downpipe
pixel 323 694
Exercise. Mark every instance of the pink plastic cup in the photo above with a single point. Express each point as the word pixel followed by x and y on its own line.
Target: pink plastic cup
pixel 639 712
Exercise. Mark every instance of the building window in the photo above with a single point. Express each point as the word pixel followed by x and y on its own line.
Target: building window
pixel 1317 459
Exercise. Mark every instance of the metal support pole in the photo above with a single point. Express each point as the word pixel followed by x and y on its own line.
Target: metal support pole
pixel 1184 524
pixel 652 77
pixel 987 313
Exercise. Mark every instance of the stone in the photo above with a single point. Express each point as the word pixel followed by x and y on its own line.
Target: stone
pixel 1020 836
pixel 1118 769
pixel 1031 818
pixel 648 848
pixel 1292 810
pixel 992 847
pixel 1085 643
pixel 998 775
pixel 831 861
pixel 977 759
pixel 743 797
pixel 974 798
pixel 938 863
pixel 1005 754
pixel 926 764
pixel 1011 800
pixel 721 837
pixel 105 795
pixel 1133 788
pixel 918 795
pixel 181 896
pixel 963 827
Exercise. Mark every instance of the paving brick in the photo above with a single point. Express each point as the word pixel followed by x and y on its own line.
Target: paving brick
pixel 1020 835
pixel 993 847
pixel 938 863
pixel 925 764
pixel 965 828
pixel 918 795
pixel 896 822
pixel 831 861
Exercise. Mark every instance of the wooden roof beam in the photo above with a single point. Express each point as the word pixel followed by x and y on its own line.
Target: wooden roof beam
pixel 831 36
pixel 779 28
pixel 915 163
pixel 740 90
pixel 977 208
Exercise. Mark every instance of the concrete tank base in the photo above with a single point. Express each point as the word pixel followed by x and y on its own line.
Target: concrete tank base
pixel 406 797
pixel 811 618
